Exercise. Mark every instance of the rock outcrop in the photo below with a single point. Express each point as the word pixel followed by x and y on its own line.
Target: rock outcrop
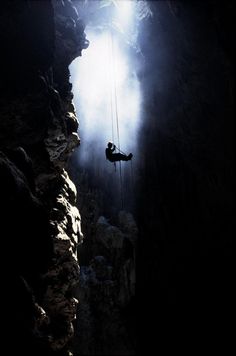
pixel 38 132
pixel 107 289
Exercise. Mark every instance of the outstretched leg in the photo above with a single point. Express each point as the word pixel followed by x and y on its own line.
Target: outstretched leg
pixel 127 158
pixel 121 157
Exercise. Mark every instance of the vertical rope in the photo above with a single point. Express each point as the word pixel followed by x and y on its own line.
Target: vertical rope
pixel 132 175
pixel 111 87
pixel 117 118
pixel 115 91
pixel 121 188
pixel 116 114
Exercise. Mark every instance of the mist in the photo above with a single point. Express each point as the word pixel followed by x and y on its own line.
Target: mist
pixel 99 80
pixel 182 144
pixel 107 94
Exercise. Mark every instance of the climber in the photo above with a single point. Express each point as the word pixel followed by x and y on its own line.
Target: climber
pixel 113 157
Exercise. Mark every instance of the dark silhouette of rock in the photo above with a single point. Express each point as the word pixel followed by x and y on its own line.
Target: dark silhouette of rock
pixel 38 132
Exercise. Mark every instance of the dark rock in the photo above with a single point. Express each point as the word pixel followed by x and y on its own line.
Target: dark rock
pixel 38 132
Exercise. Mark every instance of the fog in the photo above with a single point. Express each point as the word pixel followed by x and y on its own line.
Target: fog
pixel 106 88
pixel 182 145
pixel 107 93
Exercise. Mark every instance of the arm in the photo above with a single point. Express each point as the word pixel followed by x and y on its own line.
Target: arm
pixel 113 148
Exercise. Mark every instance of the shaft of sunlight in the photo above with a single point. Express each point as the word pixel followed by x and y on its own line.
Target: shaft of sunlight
pixel 125 12
pixel 106 89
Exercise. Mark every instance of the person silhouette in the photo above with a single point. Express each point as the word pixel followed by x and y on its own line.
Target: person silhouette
pixel 114 157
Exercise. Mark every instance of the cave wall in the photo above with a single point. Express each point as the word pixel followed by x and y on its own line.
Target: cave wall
pixel 184 264
pixel 185 181
pixel 40 223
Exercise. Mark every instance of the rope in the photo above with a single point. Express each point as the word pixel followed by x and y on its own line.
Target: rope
pixel 117 118
pixel 115 91
pixel 132 174
pixel 115 115
pixel 120 151
pixel 111 91
pixel 111 88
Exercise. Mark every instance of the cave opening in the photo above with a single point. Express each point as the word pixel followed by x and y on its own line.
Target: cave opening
pixel 184 155
pixel 108 99
pixel 161 281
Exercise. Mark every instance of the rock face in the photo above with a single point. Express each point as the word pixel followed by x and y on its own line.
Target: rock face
pixel 38 131
pixel 107 289
pixel 185 200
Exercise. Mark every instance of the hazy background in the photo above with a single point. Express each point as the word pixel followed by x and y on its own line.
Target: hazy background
pixel 108 95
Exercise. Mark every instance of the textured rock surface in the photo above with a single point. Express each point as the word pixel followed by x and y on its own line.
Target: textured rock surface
pixel 107 290
pixel 38 131
pixel 185 203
